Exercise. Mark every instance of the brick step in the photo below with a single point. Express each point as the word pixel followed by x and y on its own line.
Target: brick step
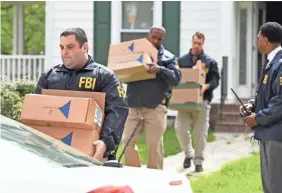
pixel 230 120
pixel 228 117
pixel 231 127
pixel 226 109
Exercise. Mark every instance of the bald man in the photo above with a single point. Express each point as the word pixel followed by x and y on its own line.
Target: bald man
pixel 148 101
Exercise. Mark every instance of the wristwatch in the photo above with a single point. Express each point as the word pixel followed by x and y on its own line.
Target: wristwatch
pixel 252 101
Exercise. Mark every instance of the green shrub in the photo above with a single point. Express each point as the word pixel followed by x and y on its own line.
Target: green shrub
pixel 12 96
pixel 22 87
pixel 11 104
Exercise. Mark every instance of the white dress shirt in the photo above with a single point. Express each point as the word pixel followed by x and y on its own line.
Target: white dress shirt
pixel 273 54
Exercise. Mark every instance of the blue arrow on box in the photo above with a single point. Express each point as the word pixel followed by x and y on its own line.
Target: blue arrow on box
pixel 67 139
pixel 66 109
pixel 131 47
pixel 140 59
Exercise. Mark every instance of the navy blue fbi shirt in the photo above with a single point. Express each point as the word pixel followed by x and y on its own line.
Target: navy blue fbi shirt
pixel 212 77
pixel 93 77
pixel 268 102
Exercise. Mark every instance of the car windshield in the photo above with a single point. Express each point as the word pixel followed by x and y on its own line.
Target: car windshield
pixel 42 146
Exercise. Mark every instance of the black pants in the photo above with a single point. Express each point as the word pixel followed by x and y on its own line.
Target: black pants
pixel 271 166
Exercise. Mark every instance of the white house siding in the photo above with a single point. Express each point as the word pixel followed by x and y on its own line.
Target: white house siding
pixel 64 14
pixel 212 19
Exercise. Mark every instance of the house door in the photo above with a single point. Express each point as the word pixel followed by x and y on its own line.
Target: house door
pixel 244 48
pixel 259 18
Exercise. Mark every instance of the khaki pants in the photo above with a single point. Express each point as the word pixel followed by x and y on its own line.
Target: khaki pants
pixel 154 123
pixel 200 122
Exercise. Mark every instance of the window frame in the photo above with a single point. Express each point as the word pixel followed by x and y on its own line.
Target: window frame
pixel 116 20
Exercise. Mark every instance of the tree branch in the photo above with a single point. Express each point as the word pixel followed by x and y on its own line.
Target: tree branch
pixel 7 32
pixel 6 7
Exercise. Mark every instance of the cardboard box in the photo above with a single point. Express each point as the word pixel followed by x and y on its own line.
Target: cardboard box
pixel 80 139
pixel 99 97
pixel 126 78
pixel 186 99
pixel 190 75
pixel 133 67
pixel 129 60
pixel 61 111
pixel 134 46
pixel 186 96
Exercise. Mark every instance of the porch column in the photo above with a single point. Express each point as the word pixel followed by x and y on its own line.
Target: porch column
pixel 18 34
pixel 228 39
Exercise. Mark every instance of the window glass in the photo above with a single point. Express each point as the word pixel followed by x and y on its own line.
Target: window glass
pixel 137 15
pixel 42 146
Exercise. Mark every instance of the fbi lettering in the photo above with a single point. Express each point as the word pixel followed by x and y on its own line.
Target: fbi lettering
pixel 87 82
pixel 121 92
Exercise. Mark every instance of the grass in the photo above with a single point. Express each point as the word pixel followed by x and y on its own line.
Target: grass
pixel 240 176
pixel 171 144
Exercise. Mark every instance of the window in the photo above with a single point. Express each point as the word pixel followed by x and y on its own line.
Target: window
pixel 127 36
pixel 133 19
pixel 37 148
pixel 137 19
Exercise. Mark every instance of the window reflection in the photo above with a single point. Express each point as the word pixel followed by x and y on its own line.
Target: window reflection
pixel 137 15
pixel 42 147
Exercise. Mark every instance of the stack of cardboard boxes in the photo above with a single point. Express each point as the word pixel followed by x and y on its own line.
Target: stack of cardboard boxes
pixel 129 60
pixel 74 117
pixel 186 96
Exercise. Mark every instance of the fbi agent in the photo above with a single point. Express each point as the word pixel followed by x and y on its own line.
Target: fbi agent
pixel 147 100
pixel 266 117
pixel 80 72
pixel 199 121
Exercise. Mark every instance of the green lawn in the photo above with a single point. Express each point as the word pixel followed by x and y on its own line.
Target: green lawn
pixel 240 176
pixel 171 144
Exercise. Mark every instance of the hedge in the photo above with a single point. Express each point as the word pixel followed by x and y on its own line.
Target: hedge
pixel 12 96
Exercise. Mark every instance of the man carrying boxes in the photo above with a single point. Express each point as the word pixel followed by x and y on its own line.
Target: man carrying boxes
pixel 149 71
pixel 79 72
pixel 200 77
pixel 75 120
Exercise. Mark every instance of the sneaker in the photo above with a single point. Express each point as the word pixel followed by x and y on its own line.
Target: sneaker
pixel 187 163
pixel 198 168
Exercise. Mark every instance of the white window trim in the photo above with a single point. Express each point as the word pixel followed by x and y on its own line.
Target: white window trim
pixel 116 20
pixel 134 30
pixel 245 89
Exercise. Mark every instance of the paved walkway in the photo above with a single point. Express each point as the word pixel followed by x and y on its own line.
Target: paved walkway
pixel 227 147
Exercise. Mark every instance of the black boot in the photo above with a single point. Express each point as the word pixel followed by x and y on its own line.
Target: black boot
pixel 198 168
pixel 187 163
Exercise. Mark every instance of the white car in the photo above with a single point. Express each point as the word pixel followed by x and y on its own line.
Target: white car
pixel 32 162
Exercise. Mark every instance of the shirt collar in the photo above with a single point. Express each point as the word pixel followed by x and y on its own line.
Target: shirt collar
pixel 273 54
pixel 161 50
pixel 199 57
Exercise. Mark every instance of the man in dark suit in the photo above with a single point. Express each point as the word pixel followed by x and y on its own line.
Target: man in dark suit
pixel 266 117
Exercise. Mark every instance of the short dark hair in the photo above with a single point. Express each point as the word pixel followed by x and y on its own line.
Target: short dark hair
pixel 79 33
pixel 160 28
pixel 199 35
pixel 272 31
